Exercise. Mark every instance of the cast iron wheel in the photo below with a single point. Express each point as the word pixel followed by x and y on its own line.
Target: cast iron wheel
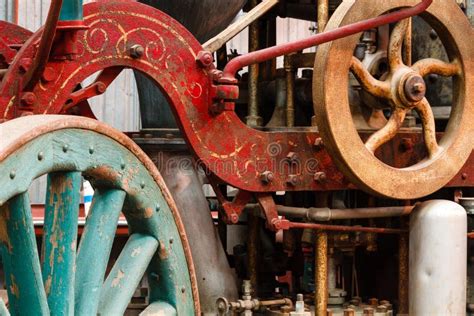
pixel 404 89
pixel 63 282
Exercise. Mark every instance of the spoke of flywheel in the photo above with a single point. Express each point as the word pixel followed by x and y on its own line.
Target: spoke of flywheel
pixel 95 247
pixel 375 87
pixel 397 38
pixel 26 293
pixel 387 132
pixel 429 66
pixel 126 274
pixel 429 127
pixel 159 308
pixel 59 240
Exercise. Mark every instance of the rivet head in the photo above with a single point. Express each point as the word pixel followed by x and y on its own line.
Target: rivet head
pixel 122 165
pixel 142 185
pixel 12 174
pixel 91 150
pixel 158 207
pixel 136 51
pixel 65 148
pixel 266 177
pixel 40 156
pixel 320 177
pixel 183 289
pixel 171 240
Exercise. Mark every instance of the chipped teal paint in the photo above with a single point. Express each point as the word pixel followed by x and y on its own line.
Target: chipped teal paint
pixel 71 10
pixel 59 240
pixel 94 249
pixel 104 169
pixel 121 283
pixel 26 294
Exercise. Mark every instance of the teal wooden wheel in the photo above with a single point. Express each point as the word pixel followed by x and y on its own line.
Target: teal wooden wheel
pixel 69 277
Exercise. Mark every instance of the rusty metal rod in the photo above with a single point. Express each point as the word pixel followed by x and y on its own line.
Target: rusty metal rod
pixel 323 14
pixel 321 273
pixel 327 214
pixel 253 118
pixel 272 52
pixel 340 228
pixel 403 267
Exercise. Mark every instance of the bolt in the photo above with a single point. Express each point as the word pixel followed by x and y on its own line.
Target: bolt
pixel 414 88
pixel 49 74
pixel 320 177
pixel 292 180
pixel 205 59
pixel 100 87
pixel 368 311
pixel 433 35
pixel 318 143
pixel 266 177
pixel 418 87
pixel 464 176
pixel 292 157
pixel 234 218
pixel 28 99
pixel 299 306
pixel 136 51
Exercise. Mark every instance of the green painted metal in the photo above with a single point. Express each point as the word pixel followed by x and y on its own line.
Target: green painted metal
pixel 111 168
pixel 95 247
pixel 126 274
pixel 59 240
pixel 26 294
pixel 71 10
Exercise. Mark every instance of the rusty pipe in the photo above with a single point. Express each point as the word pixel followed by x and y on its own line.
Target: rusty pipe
pixel 272 52
pixel 327 214
pixel 321 273
pixel 323 14
pixel 340 228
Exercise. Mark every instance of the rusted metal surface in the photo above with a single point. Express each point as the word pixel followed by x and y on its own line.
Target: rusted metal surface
pixel 355 159
pixel 403 266
pixel 321 273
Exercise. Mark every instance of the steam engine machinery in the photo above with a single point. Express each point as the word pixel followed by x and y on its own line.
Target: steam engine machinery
pixel 284 181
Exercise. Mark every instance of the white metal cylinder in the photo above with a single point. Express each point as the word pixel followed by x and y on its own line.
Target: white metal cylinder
pixel 437 264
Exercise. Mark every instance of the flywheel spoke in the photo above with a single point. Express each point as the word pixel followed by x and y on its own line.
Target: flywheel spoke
pixel 387 132
pixel 59 240
pixel 95 247
pixel 26 293
pixel 126 274
pixel 397 38
pixel 435 66
pixel 375 87
pixel 159 308
pixel 429 128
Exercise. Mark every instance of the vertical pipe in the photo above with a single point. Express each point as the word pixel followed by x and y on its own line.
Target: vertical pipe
pixel 403 274
pixel 408 43
pixel 71 10
pixel 252 244
pixel 253 118
pixel 321 273
pixel 323 14
pixel 290 92
pixel 437 259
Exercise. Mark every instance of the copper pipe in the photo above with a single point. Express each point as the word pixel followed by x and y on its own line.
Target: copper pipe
pixel 321 273
pixel 403 274
pixel 253 118
pixel 339 228
pixel 323 14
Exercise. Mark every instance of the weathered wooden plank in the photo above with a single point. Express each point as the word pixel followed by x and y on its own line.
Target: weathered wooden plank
pixel 59 240
pixel 126 274
pixel 26 294
pixel 94 249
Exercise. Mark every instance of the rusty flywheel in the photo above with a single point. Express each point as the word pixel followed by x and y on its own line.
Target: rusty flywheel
pixel 403 90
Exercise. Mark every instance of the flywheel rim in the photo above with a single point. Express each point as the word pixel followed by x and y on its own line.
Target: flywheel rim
pixel 334 116
pixel 65 148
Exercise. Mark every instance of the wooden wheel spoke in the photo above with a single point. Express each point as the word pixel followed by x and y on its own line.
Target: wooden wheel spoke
pixel 397 38
pixel 387 132
pixel 423 109
pixel 26 293
pixel 375 87
pixel 126 274
pixel 95 247
pixel 59 240
pixel 435 66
